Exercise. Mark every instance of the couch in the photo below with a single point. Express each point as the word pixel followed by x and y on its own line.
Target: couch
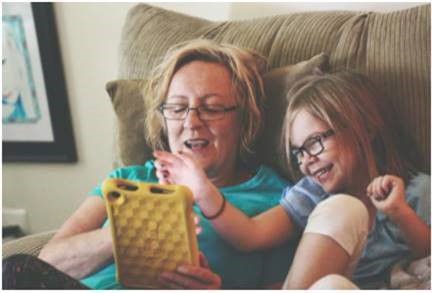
pixel 393 49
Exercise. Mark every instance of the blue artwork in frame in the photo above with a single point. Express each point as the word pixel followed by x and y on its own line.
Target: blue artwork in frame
pixel 19 100
pixel 36 124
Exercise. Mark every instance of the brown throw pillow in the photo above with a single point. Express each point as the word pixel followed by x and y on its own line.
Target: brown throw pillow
pixel 277 83
pixel 128 102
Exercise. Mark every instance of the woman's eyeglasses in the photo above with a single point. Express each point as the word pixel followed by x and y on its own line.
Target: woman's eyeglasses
pixel 313 146
pixel 205 112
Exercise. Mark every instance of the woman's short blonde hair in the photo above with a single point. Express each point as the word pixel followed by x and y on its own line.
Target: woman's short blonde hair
pixel 245 68
pixel 351 105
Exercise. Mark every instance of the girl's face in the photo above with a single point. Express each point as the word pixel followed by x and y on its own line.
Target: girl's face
pixel 328 162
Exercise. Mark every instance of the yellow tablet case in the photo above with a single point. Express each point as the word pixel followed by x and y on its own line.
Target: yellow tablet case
pixel 153 230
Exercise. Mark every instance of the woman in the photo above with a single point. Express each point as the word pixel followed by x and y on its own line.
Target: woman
pixel 207 102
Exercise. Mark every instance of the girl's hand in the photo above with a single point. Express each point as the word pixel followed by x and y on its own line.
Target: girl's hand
pixel 387 193
pixel 192 277
pixel 180 168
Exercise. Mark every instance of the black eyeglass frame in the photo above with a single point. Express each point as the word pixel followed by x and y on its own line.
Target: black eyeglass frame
pixel 222 109
pixel 317 138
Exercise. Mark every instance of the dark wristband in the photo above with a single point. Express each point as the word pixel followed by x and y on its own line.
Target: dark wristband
pixel 219 212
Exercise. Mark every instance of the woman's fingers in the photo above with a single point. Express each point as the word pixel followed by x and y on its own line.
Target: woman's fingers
pixel 198 228
pixel 176 280
pixel 191 277
pixel 166 157
pixel 200 276
pixel 166 280
pixel 203 260
pixel 196 219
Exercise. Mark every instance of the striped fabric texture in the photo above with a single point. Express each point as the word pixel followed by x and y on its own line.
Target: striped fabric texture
pixel 393 49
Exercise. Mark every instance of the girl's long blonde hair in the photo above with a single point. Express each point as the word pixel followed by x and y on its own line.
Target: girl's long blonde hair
pixel 360 115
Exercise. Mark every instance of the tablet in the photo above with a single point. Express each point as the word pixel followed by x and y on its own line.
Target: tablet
pixel 153 230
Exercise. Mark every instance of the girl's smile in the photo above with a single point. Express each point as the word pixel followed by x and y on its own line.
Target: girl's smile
pixel 333 165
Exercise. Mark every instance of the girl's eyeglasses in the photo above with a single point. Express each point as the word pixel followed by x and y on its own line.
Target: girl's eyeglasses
pixel 313 146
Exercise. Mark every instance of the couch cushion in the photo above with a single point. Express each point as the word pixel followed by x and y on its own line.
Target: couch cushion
pixel 277 83
pixel 127 100
pixel 31 244
pixel 393 49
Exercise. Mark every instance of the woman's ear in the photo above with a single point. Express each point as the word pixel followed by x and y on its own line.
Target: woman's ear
pixel 164 139
pixel 257 60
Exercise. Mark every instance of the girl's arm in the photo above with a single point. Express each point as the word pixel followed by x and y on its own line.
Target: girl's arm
pixel 80 246
pixel 387 193
pixel 265 230
pixel 416 232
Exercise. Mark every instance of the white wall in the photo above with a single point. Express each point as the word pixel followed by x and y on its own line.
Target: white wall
pixel 89 35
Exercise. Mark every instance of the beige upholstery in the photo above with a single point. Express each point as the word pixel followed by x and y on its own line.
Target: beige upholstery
pixel 30 244
pixel 391 48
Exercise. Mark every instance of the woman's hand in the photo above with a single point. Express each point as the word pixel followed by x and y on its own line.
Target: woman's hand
pixel 192 277
pixel 387 193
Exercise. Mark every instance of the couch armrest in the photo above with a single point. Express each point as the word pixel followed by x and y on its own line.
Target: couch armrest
pixel 31 244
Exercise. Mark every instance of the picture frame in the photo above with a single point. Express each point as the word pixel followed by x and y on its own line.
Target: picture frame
pixel 36 119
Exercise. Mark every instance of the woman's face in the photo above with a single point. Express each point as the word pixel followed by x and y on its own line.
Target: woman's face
pixel 214 143
pixel 334 166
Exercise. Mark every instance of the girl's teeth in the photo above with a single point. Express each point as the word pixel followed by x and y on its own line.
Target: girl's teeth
pixel 322 172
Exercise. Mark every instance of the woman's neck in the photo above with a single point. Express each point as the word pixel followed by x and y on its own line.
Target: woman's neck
pixel 231 177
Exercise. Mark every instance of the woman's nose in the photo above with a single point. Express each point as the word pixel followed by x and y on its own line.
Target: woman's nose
pixel 192 119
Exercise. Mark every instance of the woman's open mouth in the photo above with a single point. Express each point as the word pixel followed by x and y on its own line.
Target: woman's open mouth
pixel 196 144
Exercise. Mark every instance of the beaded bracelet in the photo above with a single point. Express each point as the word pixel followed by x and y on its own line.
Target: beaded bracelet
pixel 218 212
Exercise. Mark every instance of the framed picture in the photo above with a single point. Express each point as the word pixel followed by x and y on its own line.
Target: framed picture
pixel 36 120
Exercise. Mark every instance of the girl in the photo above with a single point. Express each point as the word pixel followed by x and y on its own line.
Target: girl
pixel 336 134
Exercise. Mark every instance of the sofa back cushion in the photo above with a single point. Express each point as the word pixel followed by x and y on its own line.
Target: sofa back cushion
pixel 393 49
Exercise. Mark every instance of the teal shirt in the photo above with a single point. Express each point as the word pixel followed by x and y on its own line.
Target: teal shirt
pixel 237 269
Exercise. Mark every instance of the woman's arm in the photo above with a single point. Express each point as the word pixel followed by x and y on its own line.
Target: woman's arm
pixel 265 230
pixel 80 246
pixel 387 193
